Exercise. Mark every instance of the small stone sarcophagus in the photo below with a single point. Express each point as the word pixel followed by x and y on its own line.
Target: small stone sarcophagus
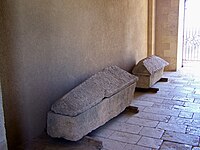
pixel 149 71
pixel 91 104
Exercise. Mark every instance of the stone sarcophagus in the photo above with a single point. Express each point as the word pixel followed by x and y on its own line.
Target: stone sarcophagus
pixel 91 104
pixel 149 71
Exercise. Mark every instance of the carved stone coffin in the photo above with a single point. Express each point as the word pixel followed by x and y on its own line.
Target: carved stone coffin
pixel 149 71
pixel 91 104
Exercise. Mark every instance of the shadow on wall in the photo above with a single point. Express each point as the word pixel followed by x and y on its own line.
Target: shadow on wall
pixel 7 74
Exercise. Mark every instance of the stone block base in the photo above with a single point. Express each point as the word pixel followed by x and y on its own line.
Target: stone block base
pixel 147 81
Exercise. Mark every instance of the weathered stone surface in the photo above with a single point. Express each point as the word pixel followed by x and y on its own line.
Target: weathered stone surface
pixel 181 138
pixel 142 103
pixel 142 122
pixel 110 144
pixel 183 98
pixel 150 142
pixel 196 116
pixel 174 146
pixel 102 85
pixel 149 71
pixel 152 132
pixel 172 127
pixel 178 120
pixel 135 147
pixel 124 127
pixel 101 132
pixel 184 114
pixel 151 116
pixel 74 128
pixel 125 137
pixel 193 130
pixel 162 111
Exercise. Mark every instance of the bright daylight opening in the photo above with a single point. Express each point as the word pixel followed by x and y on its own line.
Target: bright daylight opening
pixel 191 47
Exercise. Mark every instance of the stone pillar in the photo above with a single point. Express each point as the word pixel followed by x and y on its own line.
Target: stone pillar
pixel 166 45
pixel 151 27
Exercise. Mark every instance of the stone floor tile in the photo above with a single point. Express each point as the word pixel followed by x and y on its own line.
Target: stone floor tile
pixel 196 148
pixel 183 91
pixel 123 117
pixel 190 104
pixel 181 138
pixel 185 88
pixel 178 93
pixel 153 99
pixel 196 96
pixel 175 85
pixel 141 108
pixel 125 137
pixel 162 111
pixel 188 109
pixel 150 142
pixel 163 88
pixel 101 132
pixel 142 103
pixel 196 116
pixel 193 130
pixel 173 102
pixel 160 92
pixel 181 98
pixel 197 100
pixel 162 85
pixel 174 146
pixel 178 120
pixel 151 116
pixel 197 92
pixel 135 147
pixel 195 123
pixel 185 114
pixel 142 122
pixel 161 105
pixel 163 96
pixel 180 81
pixel 151 132
pixel 124 127
pixel 109 144
pixel 172 127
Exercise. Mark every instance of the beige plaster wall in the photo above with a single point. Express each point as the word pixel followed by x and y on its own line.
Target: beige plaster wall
pixel 167 17
pixel 49 47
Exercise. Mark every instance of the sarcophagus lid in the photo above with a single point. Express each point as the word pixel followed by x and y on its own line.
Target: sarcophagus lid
pixel 102 85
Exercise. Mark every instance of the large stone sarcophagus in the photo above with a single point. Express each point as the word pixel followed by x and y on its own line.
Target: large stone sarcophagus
pixel 149 71
pixel 91 104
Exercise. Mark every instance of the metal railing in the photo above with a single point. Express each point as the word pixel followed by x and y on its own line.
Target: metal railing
pixel 191 49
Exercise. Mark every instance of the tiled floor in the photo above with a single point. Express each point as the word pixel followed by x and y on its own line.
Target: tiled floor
pixel 167 120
